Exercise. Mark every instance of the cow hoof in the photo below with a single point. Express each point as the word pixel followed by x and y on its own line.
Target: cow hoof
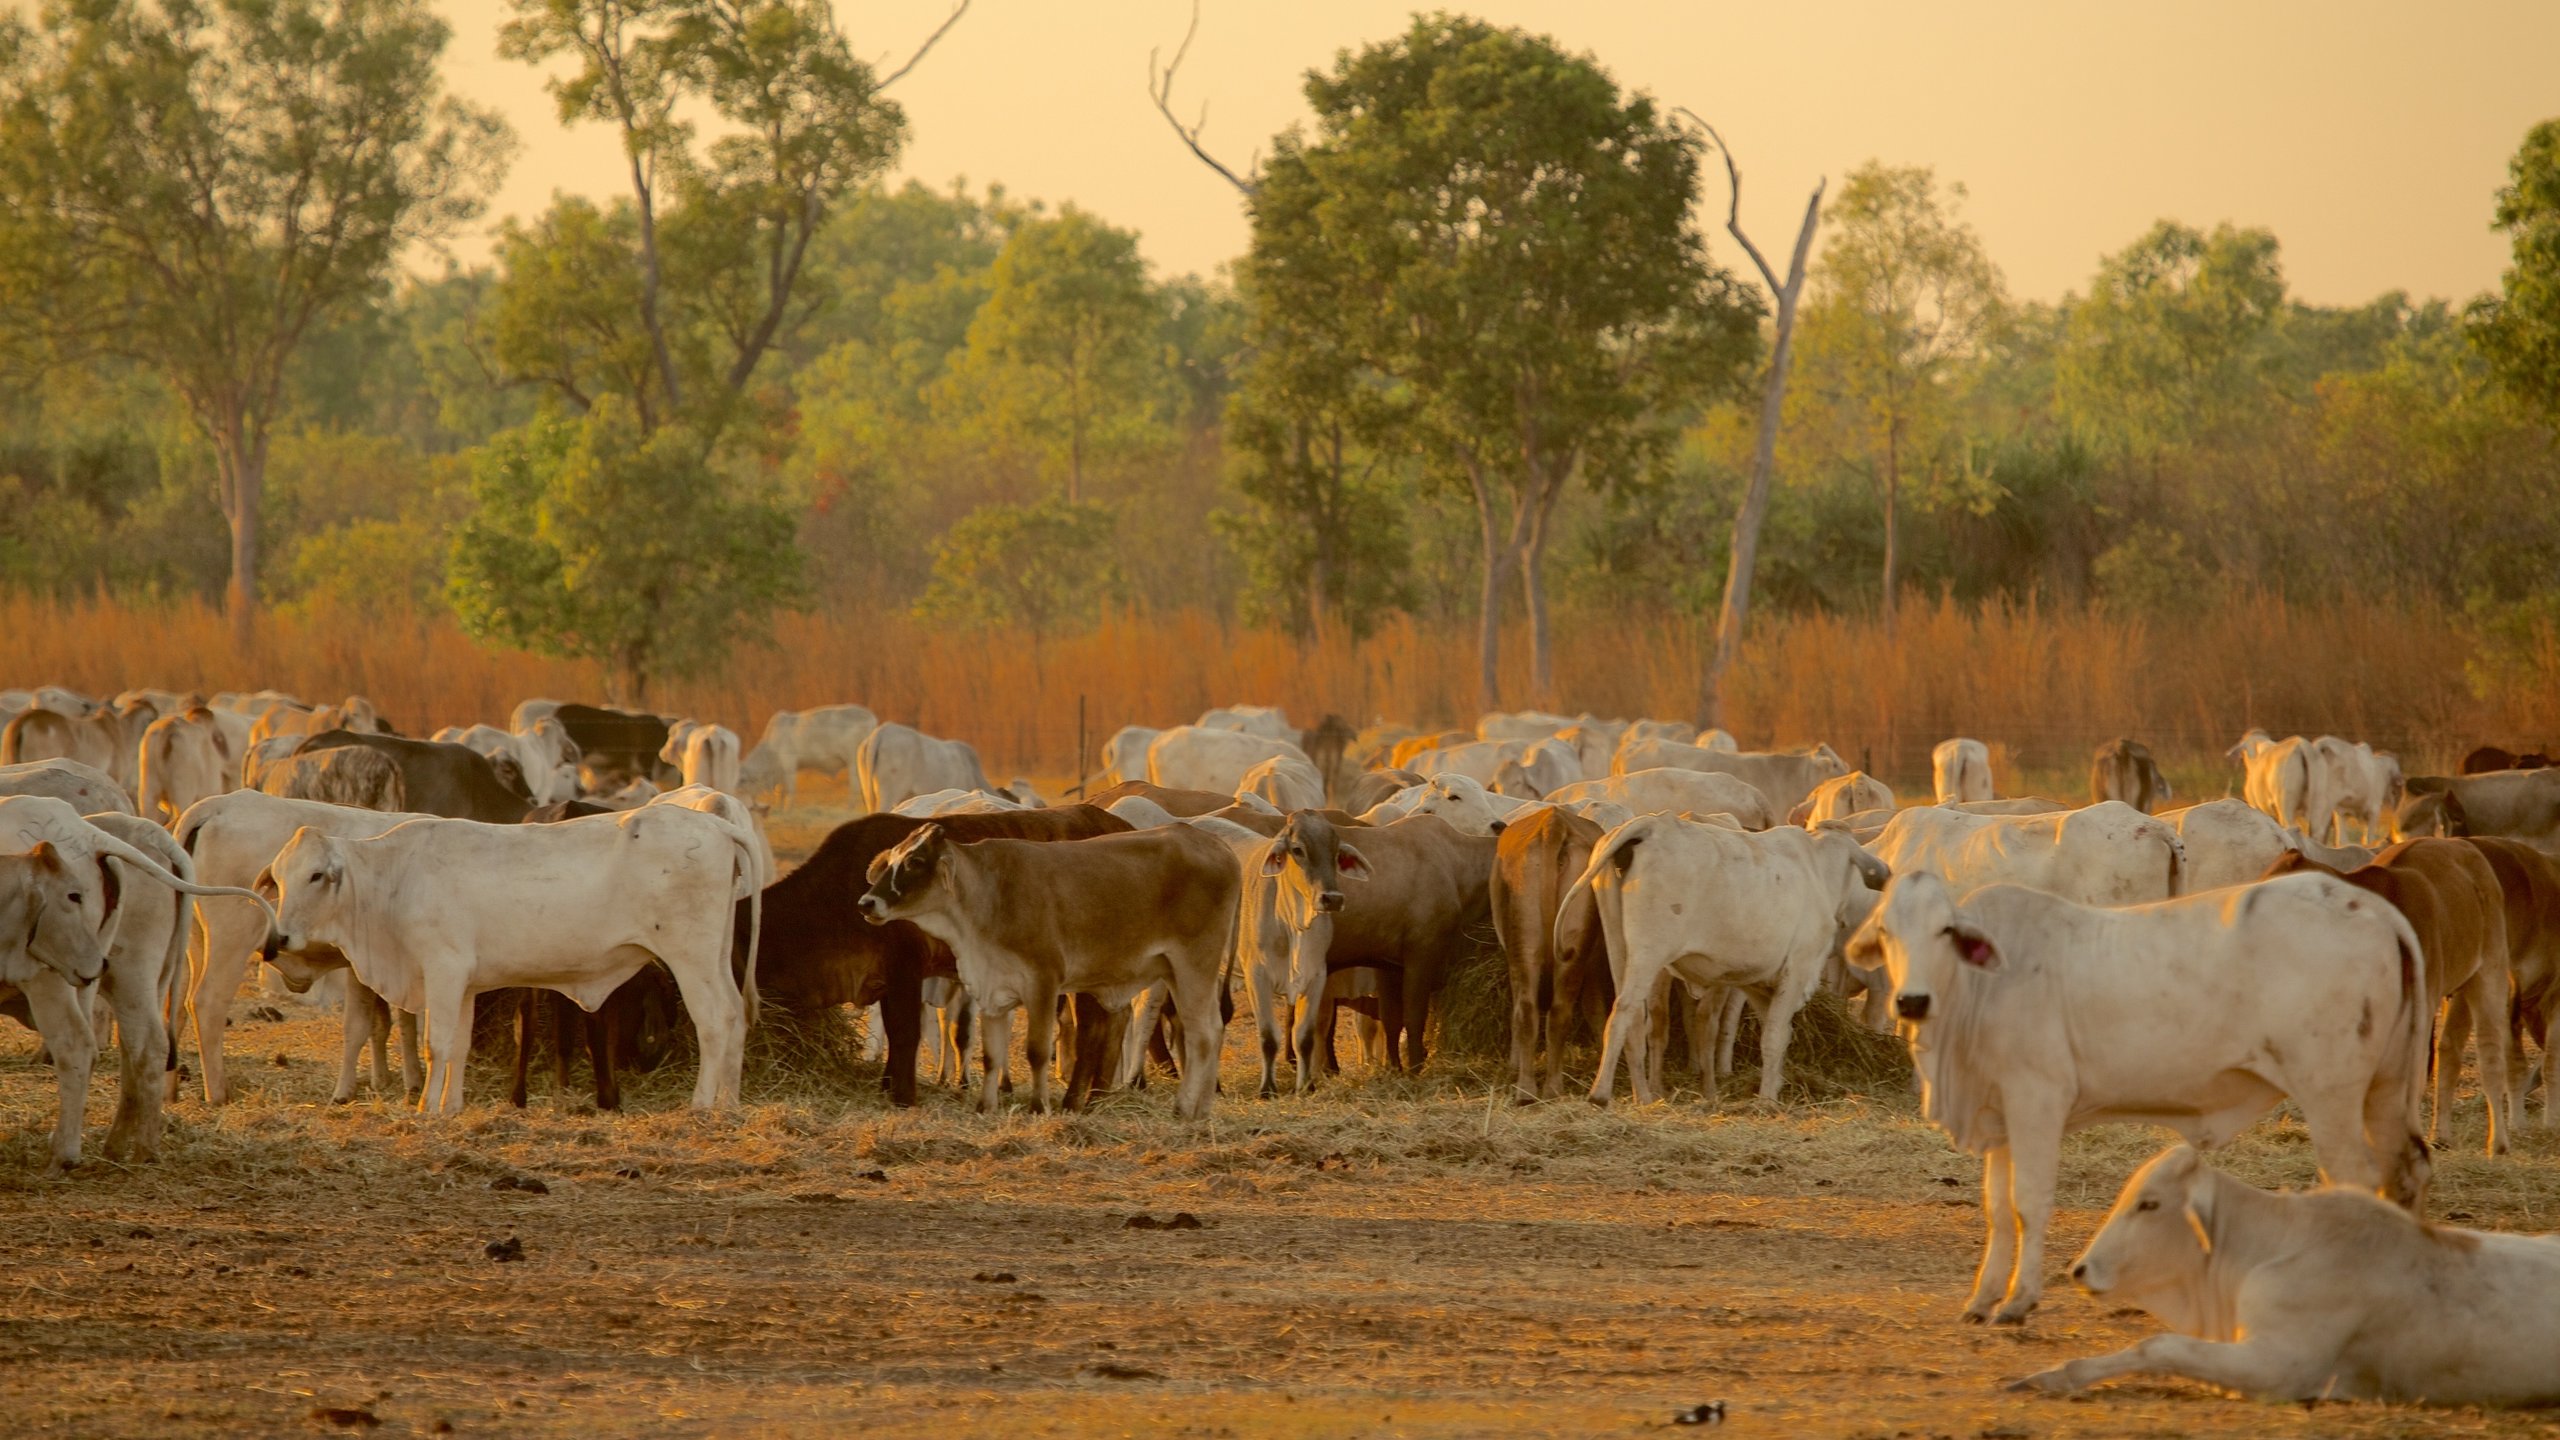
pixel 2012 1317
pixel 1976 1317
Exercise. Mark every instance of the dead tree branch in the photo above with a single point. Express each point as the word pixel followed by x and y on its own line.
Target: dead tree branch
pixel 958 10
pixel 1160 90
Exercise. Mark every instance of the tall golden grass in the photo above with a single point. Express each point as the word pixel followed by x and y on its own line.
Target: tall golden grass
pixel 2043 683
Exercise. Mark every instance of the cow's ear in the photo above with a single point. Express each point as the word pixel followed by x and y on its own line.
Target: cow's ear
pixel 1275 857
pixel 1352 863
pixel 46 857
pixel 109 887
pixel 1973 946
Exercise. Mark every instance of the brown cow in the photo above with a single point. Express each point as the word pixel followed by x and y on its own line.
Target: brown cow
pixel 1417 888
pixel 1027 921
pixel 1536 859
pixel 2530 879
pixel 816 952
pixel 1376 786
pixel 2453 900
pixel 348 775
pixel 2486 758
pixel 1325 746
pixel 2124 770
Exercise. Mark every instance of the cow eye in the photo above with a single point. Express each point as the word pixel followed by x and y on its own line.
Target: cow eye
pixel 319 875
pixel 2147 1205
pixel 75 897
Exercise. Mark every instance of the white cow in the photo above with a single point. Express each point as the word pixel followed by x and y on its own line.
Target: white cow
pixel 2227 843
pixel 1469 808
pixel 1524 725
pixel 704 753
pixel 1141 812
pixel 826 739
pixel 1267 721
pixel 185 757
pixel 1717 906
pixel 546 758
pixel 117 875
pixel 1478 760
pixel 232 837
pixel 1196 757
pixel 955 802
pixel 436 911
pixel 2325 1295
pixel 1124 755
pixel 1287 782
pixel 1786 777
pixel 2106 854
pixel 898 762
pixel 1841 797
pixel 2281 781
pixel 84 788
pixel 1678 732
pixel 1546 765
pixel 1960 769
pixel 2362 785
pixel 2030 1017
pixel 1594 744
pixel 1674 791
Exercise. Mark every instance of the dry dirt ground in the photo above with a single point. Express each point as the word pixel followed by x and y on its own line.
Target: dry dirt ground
pixel 1390 1257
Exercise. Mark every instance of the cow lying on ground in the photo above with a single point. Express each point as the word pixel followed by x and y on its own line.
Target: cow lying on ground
pixel 1027 921
pixel 2321 1295
pixel 2030 1017
pixel 437 911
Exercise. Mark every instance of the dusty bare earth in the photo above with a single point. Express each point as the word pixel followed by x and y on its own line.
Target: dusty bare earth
pixel 1389 1258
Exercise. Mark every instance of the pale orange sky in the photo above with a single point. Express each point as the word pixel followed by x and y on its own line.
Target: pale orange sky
pixel 2368 136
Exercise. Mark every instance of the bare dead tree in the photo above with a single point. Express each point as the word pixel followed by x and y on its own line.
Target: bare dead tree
pixel 894 76
pixel 1160 90
pixel 1736 612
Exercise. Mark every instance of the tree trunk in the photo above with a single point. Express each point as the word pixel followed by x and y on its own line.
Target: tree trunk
pixel 1533 592
pixel 1497 559
pixel 240 462
pixel 1745 551
pixel 649 272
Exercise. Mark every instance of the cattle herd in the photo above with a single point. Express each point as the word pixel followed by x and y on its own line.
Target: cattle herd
pixel 2337 936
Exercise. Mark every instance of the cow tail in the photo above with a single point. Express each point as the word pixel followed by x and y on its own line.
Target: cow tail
pixel 747 867
pixel 2419 1018
pixel 2177 862
pixel 1610 856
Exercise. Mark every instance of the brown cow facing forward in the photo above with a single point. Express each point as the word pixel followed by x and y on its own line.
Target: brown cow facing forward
pixel 1029 920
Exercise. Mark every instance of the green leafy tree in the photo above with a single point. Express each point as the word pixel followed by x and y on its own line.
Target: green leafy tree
pixel 595 539
pixel 2519 328
pixel 194 185
pixel 1065 357
pixel 1905 299
pixel 1044 567
pixel 2173 339
pixel 711 261
pixel 1529 279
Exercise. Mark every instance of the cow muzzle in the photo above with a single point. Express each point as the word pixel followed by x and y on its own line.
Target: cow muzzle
pixel 1911 1007
pixel 1330 902
pixel 874 909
